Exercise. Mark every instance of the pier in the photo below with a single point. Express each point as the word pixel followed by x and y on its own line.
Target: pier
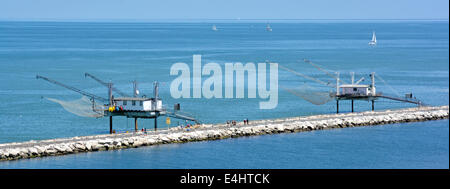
pixel 62 146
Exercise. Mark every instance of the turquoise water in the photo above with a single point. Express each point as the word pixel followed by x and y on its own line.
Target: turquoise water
pixel 411 56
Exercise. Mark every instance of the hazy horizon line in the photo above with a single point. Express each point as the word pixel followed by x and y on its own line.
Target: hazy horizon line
pixel 214 19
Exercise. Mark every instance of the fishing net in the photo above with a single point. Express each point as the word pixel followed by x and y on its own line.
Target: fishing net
pixel 83 107
pixel 311 94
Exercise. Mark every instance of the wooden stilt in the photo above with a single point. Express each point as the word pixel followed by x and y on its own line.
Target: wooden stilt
pixel 110 125
pixel 135 124
pixel 352 106
pixel 373 106
pixel 337 106
pixel 156 123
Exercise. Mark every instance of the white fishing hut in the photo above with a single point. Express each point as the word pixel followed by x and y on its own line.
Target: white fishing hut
pixel 361 90
pixel 138 104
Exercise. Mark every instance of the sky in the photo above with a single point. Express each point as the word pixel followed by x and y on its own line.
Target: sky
pixel 225 9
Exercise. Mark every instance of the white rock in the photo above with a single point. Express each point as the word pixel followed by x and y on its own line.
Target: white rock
pixel 88 145
pixel 80 146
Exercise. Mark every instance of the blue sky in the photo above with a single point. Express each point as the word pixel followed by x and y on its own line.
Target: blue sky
pixel 226 9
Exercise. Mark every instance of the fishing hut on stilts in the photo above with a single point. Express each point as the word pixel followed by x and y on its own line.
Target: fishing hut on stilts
pixel 129 106
pixel 352 92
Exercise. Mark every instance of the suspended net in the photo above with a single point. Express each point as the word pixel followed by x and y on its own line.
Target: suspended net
pixel 311 94
pixel 83 107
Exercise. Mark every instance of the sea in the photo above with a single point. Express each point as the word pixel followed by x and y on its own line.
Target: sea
pixel 411 56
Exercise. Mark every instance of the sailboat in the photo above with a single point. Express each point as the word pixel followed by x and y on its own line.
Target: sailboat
pixel 268 28
pixel 374 39
pixel 214 28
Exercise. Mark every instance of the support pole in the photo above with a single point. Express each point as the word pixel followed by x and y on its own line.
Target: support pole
pixel 337 106
pixel 373 106
pixel 353 77
pixel 156 123
pixel 372 86
pixel 110 96
pixel 110 125
pixel 135 124
pixel 352 105
pixel 337 84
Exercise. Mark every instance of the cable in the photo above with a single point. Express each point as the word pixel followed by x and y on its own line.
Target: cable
pixel 391 88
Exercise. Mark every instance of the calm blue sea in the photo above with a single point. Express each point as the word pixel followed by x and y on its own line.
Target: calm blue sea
pixel 411 56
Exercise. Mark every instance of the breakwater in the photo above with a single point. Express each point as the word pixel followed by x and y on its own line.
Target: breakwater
pixel 30 149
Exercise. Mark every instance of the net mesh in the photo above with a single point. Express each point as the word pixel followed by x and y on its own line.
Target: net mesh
pixel 311 94
pixel 83 107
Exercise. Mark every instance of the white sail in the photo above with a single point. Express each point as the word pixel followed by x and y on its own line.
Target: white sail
pixel 374 39
pixel 214 28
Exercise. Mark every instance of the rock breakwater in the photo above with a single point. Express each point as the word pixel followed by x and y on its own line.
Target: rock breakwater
pixel 31 149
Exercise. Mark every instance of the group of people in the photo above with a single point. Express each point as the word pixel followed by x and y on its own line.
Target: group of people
pixel 187 126
pixel 233 122
pixel 144 130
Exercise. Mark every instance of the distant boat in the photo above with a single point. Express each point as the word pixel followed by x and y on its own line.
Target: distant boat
pixel 268 28
pixel 374 39
pixel 214 28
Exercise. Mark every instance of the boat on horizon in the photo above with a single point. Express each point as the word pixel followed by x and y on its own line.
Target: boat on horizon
pixel 268 28
pixel 214 28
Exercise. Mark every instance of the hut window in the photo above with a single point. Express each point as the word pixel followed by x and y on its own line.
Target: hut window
pixel 355 89
pixel 140 103
pixel 124 102
pixel 133 103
